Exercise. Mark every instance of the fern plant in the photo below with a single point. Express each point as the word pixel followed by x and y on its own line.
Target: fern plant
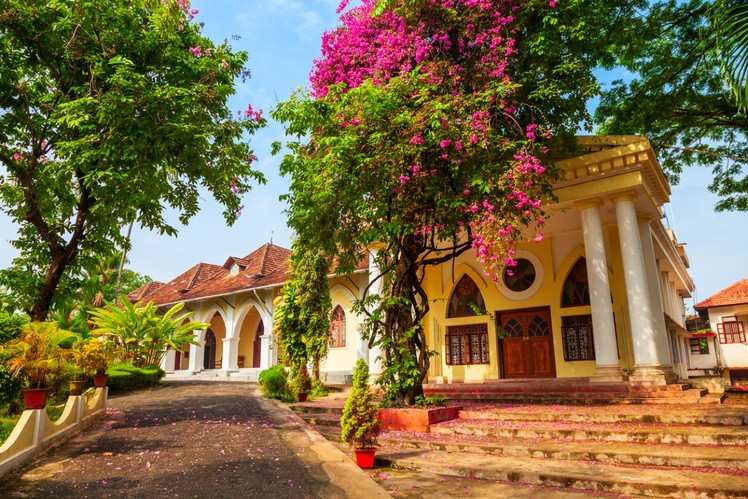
pixel 359 424
pixel 729 19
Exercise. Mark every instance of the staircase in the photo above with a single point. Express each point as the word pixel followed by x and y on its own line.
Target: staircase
pixel 570 391
pixel 324 416
pixel 653 450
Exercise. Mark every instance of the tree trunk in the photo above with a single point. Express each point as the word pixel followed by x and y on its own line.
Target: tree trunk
pixel 51 280
pixel 315 369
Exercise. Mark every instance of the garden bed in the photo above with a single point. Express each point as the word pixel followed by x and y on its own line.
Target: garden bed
pixel 415 419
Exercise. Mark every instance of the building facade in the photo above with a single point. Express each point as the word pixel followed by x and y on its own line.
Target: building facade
pixel 727 314
pixel 601 297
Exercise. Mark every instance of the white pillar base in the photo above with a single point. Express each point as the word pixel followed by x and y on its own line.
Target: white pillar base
pixel 607 374
pixel 653 376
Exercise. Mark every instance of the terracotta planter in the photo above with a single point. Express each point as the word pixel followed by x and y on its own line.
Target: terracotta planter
pixel 100 380
pixel 35 398
pixel 302 397
pixel 365 458
pixel 415 419
pixel 76 387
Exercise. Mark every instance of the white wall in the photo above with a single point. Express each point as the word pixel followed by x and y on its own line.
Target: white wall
pixel 732 355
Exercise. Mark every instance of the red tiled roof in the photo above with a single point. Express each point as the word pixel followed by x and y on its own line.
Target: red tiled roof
pixel 144 290
pixel 265 266
pixel 737 294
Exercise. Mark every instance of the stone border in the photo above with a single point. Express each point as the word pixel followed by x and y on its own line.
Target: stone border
pixel 342 472
pixel 35 433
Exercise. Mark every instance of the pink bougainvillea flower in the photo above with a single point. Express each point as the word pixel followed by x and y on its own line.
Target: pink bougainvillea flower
pixel 17 156
pixel 196 51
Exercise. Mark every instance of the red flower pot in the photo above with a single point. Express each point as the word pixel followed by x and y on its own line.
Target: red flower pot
pixel 100 380
pixel 35 398
pixel 302 397
pixel 365 458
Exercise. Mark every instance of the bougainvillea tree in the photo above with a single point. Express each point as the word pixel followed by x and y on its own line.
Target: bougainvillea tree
pixel 110 112
pixel 426 134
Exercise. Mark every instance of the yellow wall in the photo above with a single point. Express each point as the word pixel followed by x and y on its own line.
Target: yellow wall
pixel 440 281
pixel 247 336
pixel 219 330
pixel 342 292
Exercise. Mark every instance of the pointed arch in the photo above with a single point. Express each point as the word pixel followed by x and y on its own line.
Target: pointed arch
pixel 466 299
pixel 576 289
pixel 337 328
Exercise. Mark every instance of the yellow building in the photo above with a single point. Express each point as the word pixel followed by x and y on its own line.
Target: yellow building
pixel 600 297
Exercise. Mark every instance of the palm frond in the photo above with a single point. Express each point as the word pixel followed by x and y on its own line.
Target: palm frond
pixel 730 23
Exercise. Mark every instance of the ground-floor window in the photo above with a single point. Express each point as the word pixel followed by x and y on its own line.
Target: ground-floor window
pixel 731 330
pixel 578 339
pixel 699 346
pixel 467 344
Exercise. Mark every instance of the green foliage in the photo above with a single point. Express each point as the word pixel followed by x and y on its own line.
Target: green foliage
pixel 677 95
pixel 319 390
pixel 435 401
pixel 274 384
pixel 729 18
pixel 302 317
pixel 10 387
pixel 140 334
pixel 125 377
pixel 10 326
pixel 6 427
pixel 36 356
pixel 359 424
pixel 110 115
pixel 300 382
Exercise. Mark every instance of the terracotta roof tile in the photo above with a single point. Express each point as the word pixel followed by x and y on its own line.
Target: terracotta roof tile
pixel 737 294
pixel 265 266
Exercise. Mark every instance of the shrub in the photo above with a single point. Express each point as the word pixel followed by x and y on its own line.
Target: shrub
pixel 36 355
pixel 318 390
pixel 10 388
pixel 10 326
pixel 274 384
pixel 435 401
pixel 359 424
pixel 6 427
pixel 300 382
pixel 125 377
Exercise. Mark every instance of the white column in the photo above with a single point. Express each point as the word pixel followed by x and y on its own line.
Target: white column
pixel 374 354
pixel 196 352
pixel 230 350
pixel 167 361
pixel 603 325
pixel 656 296
pixel 266 342
pixel 648 367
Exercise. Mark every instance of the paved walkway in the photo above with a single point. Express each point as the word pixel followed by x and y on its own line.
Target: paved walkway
pixel 182 440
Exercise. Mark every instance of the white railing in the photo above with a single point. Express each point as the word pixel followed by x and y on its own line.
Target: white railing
pixel 35 432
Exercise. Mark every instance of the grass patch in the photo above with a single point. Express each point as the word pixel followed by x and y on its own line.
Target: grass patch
pixel 6 426
pixel 126 377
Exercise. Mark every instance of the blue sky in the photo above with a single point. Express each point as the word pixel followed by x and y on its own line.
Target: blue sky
pixel 283 38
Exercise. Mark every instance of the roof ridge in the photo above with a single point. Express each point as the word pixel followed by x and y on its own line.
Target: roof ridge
pixel 263 261
pixel 706 302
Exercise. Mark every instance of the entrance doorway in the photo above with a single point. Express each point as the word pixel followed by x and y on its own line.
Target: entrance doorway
pixel 209 355
pixel 527 344
pixel 257 345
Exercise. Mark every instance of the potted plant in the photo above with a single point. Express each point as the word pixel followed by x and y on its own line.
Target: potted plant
pixel 359 424
pixel 90 357
pixel 301 384
pixel 37 358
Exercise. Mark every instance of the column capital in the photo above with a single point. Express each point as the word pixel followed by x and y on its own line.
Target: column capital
pixel 588 203
pixel 623 196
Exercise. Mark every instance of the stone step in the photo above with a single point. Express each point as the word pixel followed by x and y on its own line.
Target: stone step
pixel 685 397
pixel 688 414
pixel 599 478
pixel 598 432
pixel 695 456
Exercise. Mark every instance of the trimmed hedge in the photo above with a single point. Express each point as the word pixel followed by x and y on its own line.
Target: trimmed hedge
pixel 126 377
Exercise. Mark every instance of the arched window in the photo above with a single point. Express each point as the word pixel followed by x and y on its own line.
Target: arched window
pixel 337 328
pixel 576 292
pixel 466 299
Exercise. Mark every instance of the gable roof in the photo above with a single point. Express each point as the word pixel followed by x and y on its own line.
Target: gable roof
pixel 736 294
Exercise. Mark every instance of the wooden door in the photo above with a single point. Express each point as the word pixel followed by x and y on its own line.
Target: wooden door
pixel 209 356
pixel 527 347
pixel 177 360
pixel 257 345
